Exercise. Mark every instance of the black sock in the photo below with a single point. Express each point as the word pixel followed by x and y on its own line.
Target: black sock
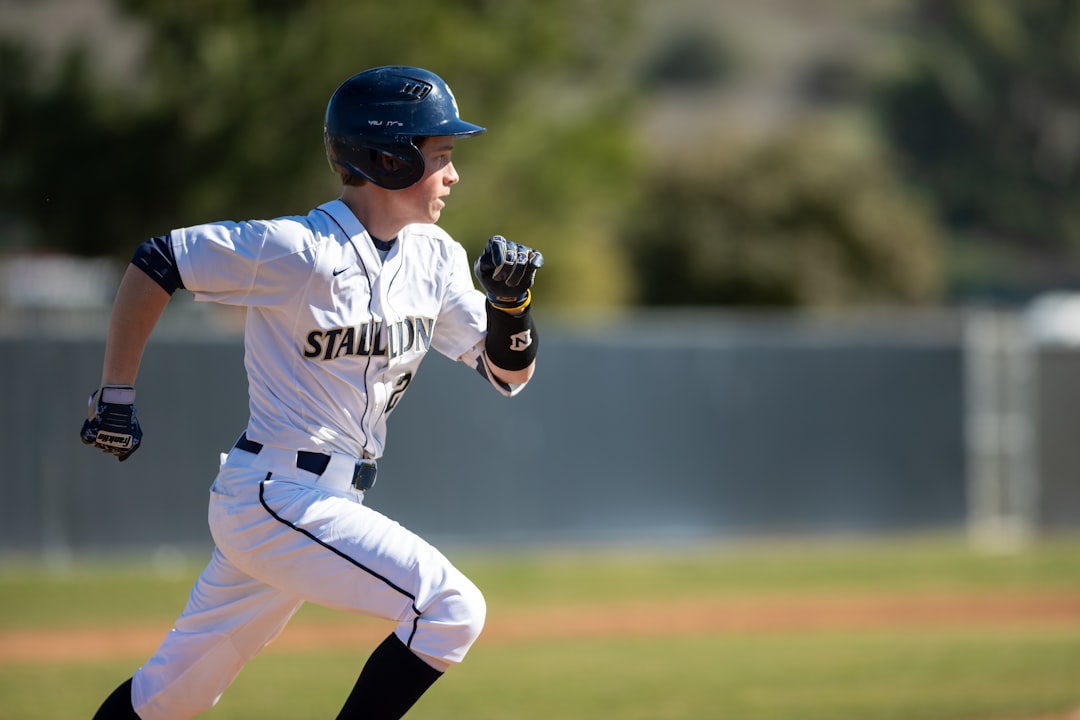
pixel 118 705
pixel 392 680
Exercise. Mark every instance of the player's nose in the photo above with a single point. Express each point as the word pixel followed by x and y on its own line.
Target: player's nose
pixel 451 177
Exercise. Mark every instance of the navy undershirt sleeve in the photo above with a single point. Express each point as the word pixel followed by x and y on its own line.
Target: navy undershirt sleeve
pixel 155 258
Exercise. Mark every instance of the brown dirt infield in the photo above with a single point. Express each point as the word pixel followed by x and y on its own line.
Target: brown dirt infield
pixel 706 616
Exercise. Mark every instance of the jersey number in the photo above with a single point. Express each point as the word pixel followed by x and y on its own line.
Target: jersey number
pixel 400 386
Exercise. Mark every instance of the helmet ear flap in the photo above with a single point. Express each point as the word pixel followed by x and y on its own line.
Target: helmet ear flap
pixel 398 167
pixel 391 165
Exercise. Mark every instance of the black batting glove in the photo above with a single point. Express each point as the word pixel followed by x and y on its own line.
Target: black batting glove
pixel 111 425
pixel 506 271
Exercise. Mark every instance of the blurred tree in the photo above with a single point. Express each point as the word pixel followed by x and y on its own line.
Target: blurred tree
pixel 75 172
pixel 226 122
pixel 813 217
pixel 690 57
pixel 986 118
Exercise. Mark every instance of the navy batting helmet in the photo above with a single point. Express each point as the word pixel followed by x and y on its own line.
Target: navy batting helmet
pixel 381 111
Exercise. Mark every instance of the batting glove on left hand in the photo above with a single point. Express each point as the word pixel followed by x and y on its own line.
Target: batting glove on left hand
pixel 111 425
pixel 506 271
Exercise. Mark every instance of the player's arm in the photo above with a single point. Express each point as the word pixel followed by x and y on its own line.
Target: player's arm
pixel 506 271
pixel 511 342
pixel 139 303
pixel 144 291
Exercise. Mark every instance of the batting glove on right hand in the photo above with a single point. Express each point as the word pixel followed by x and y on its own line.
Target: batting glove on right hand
pixel 111 425
pixel 506 271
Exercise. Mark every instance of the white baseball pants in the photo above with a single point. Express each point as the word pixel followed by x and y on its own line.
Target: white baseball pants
pixel 284 537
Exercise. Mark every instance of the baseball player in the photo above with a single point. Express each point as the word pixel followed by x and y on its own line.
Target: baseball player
pixel 342 305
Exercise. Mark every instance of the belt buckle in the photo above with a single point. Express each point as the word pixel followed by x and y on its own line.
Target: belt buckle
pixel 364 475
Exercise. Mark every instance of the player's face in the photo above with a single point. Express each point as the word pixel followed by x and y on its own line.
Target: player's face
pixel 425 200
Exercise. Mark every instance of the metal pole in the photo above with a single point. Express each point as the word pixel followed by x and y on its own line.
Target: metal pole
pixel 1000 428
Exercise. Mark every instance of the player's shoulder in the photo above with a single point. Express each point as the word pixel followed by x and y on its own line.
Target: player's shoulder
pixel 299 225
pixel 429 233
pixel 288 234
pixel 288 225
pixel 429 239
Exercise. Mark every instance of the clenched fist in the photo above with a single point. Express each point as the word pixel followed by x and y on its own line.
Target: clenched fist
pixel 506 271
pixel 111 424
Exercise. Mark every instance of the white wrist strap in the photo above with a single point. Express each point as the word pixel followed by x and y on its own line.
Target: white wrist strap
pixel 119 394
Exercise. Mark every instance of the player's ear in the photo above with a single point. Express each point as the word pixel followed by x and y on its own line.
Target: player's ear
pixel 389 162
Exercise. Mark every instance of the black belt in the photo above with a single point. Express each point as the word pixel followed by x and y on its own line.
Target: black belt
pixel 315 463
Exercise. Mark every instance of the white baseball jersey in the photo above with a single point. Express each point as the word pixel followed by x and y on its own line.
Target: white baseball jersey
pixel 334 332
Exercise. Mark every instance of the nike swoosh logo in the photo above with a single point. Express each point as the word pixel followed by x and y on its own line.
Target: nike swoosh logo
pixel 338 272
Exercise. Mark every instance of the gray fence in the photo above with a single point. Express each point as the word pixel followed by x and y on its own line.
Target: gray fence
pixel 658 428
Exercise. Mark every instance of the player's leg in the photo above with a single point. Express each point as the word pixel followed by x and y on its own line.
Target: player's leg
pixel 336 552
pixel 392 680
pixel 229 617
pixel 118 705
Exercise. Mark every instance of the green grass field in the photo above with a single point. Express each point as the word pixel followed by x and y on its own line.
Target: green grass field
pixel 966 668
